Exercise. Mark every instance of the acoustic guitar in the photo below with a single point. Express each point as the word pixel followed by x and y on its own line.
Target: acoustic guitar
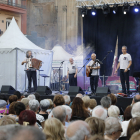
pixel 88 73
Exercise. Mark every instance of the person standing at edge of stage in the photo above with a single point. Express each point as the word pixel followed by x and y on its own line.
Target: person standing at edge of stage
pixel 72 73
pixel 94 78
pixel 31 72
pixel 125 61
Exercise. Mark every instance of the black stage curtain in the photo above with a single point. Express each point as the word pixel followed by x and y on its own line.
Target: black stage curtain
pixel 101 32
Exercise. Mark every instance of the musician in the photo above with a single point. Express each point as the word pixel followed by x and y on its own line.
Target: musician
pixel 31 72
pixel 95 67
pixel 125 61
pixel 72 73
pixel 55 80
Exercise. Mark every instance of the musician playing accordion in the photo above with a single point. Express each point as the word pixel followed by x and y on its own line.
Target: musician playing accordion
pixel 31 72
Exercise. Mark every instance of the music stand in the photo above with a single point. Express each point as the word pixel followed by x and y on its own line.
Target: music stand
pixel 137 74
pixel 39 77
pixel 44 76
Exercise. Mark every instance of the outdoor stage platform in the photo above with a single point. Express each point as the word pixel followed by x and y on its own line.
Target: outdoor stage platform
pixel 122 102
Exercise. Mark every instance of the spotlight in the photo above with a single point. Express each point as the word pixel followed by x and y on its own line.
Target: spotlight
pixel 126 8
pixel 115 8
pixel 93 11
pixel 136 7
pixel 106 9
pixel 84 11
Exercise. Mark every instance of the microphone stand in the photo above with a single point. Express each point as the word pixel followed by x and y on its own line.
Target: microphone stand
pixel 84 70
pixel 104 67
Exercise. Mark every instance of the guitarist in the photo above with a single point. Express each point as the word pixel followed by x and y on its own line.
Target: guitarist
pixel 94 68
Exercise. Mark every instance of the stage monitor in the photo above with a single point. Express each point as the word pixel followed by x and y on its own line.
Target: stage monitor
pixel 74 90
pixel 44 90
pixel 102 91
pixel 7 89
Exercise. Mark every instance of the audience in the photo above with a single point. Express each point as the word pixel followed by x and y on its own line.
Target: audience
pixel 68 113
pixel 34 106
pixel 134 125
pixel 18 94
pixel 3 109
pixel 12 110
pixel 106 102
pixel 113 111
pixel 136 99
pixel 97 126
pixel 25 101
pixel 58 100
pixel 135 112
pixel 78 110
pixel 86 101
pixel 135 136
pixel 96 137
pixel 50 107
pixel 37 97
pixel 12 98
pixel 54 129
pixel 92 104
pixel 127 113
pixel 44 105
pixel 79 95
pixel 27 116
pixel 99 112
pixel 78 130
pixel 7 120
pixel 113 99
pixel 67 100
pixel 112 128
pixel 31 97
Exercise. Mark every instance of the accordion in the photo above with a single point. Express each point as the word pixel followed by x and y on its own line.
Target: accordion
pixel 35 63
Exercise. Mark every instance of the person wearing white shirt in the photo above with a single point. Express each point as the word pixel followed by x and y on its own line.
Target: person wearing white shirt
pixel 94 78
pixel 125 61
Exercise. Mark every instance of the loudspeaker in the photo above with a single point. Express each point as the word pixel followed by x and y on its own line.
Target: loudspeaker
pixel 7 89
pixel 43 90
pixel 73 90
pixel 102 91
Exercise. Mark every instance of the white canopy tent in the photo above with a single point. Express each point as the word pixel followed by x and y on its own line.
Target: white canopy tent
pixel 13 47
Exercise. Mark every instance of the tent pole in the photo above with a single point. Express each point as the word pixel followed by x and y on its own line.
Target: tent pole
pixel 16 69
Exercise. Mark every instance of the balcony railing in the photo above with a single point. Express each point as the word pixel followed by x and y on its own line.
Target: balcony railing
pixel 12 4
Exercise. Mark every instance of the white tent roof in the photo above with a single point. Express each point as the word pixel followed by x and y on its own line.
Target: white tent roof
pixel 60 54
pixel 14 38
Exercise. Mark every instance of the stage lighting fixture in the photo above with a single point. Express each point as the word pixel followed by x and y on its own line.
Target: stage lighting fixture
pixel 126 8
pixel 136 7
pixel 84 11
pixel 106 9
pixel 93 11
pixel 115 8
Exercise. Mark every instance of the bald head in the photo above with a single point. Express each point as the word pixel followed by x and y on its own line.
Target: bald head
pixel 78 130
pixel 93 56
pixel 136 99
pixel 79 95
pixel 71 60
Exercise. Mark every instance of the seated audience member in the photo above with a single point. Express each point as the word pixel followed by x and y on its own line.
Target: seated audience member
pixel 34 106
pixel 135 112
pixel 78 110
pixel 134 125
pixel 3 109
pixel 68 113
pixel 18 107
pixel 59 113
pixel 113 98
pixel 25 101
pixel 99 112
pixel 12 112
pixel 113 111
pixel 6 120
pixel 96 137
pixel 37 97
pixel 86 101
pixel 78 130
pixel 67 100
pixel 54 129
pixel 79 95
pixel 25 133
pixel 27 117
pixel 31 97
pixel 135 136
pixel 12 98
pixel 97 126
pixel 3 97
pixel 92 104
pixel 50 107
pixel 58 100
pixel 44 105
pixel 106 102
pixel 18 94
pixel 112 128
pixel 136 99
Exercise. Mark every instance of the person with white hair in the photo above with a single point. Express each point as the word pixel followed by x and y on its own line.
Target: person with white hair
pixel 106 102
pixel 34 106
pixel 93 66
pixel 67 99
pixel 78 130
pixel 99 112
pixel 72 72
pixel 113 128
pixel 79 95
pixel 113 111
pixel 31 97
pixel 44 105
pixel 135 112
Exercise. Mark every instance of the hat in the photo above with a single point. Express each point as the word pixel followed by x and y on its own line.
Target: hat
pixel 3 103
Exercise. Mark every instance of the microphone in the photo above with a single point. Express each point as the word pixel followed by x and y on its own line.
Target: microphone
pixel 110 51
pixel 62 61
